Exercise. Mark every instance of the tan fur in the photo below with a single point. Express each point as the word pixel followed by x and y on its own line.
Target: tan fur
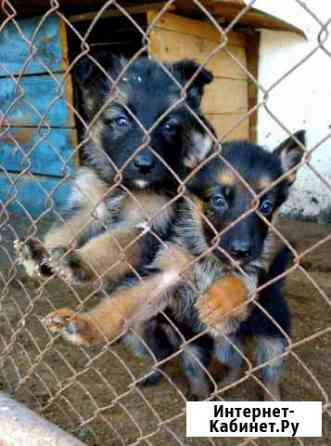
pixel 67 234
pixel 117 250
pixel 142 206
pixel 223 299
pixel 198 209
pixel 174 259
pixel 95 135
pixel 203 145
pixel 112 253
pixel 113 315
pixel 264 183
pixel 90 190
pixel 126 307
pixel 227 178
pixel 272 391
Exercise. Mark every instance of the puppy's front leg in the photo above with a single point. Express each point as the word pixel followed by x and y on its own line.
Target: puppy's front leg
pixel 112 254
pixel 125 307
pixel 114 314
pixel 33 254
pixel 222 306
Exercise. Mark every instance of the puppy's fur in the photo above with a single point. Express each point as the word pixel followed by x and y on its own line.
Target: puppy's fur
pixel 141 135
pixel 164 335
pixel 195 276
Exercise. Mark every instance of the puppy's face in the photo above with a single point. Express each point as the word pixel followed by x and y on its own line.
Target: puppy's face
pixel 226 200
pixel 135 132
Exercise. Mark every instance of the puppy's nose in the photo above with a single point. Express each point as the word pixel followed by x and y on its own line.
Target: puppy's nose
pixel 144 162
pixel 240 249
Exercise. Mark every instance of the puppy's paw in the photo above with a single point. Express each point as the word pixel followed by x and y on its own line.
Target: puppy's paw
pixel 73 327
pixel 70 267
pixel 33 256
pixel 222 303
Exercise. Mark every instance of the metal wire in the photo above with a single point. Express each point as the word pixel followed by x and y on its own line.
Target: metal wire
pixel 95 392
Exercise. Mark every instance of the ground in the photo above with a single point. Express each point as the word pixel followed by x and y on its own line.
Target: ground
pixel 91 392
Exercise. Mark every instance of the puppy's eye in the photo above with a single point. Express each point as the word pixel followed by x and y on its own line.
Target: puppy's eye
pixel 266 207
pixel 121 122
pixel 219 202
pixel 170 126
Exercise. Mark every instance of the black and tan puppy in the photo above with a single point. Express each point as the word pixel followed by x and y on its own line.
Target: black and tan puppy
pixel 141 134
pixel 219 247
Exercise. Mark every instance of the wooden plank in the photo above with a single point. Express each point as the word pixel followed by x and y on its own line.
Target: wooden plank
pixel 36 94
pixel 252 65
pixel 189 8
pixel 31 194
pixel 252 17
pixel 115 12
pixel 41 151
pixel 225 96
pixel 170 46
pixel 197 28
pixel 15 50
pixel 226 123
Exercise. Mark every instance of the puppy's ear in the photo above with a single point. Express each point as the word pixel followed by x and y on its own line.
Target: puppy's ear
pixel 187 70
pixel 94 82
pixel 290 152
pixel 198 141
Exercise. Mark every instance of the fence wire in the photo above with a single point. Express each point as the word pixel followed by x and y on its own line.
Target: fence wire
pixel 95 392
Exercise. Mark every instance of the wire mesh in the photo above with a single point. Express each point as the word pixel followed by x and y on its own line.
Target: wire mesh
pixel 95 392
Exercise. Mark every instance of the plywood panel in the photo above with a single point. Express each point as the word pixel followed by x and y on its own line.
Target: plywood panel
pixel 32 195
pixel 230 127
pixel 41 151
pixel 48 39
pixel 196 28
pixel 36 96
pixel 225 96
pixel 170 46
pixel 176 38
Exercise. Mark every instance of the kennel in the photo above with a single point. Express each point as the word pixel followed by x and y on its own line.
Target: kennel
pixel 39 122
pixel 93 393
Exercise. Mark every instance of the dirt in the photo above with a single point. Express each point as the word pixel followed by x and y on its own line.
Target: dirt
pixel 92 392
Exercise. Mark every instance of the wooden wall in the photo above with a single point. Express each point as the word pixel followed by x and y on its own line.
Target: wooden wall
pixel 226 100
pixel 37 130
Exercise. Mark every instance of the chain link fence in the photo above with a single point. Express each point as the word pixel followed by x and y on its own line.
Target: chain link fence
pixel 95 392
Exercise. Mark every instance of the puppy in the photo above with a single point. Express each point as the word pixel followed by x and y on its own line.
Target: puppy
pixel 141 136
pixel 249 242
pixel 211 266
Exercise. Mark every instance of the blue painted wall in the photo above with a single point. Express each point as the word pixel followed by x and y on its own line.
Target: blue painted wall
pixel 31 196
pixel 36 100
pixel 40 151
pixel 38 138
pixel 45 34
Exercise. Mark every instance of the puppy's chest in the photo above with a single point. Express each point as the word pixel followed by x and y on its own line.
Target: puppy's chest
pixel 145 209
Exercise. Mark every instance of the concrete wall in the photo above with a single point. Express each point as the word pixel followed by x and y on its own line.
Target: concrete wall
pixel 299 99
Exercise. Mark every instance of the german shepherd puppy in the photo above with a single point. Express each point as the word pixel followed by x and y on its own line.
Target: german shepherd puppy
pixel 220 245
pixel 224 199
pixel 141 134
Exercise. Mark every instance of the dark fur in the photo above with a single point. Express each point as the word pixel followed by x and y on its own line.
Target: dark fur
pixel 164 338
